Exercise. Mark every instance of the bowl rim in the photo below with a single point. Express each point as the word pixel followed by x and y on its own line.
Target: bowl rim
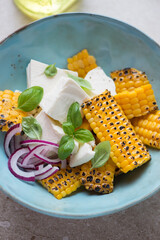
pixel 83 215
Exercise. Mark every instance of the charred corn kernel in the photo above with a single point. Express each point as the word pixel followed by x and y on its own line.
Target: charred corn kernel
pixel 9 116
pixel 128 79
pixel 117 172
pixel 82 63
pixel 98 179
pixel 63 182
pixel 36 111
pixel 148 128
pixel 141 105
pixel 116 128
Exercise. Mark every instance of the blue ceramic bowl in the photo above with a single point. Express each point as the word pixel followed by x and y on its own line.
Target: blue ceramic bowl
pixel 115 45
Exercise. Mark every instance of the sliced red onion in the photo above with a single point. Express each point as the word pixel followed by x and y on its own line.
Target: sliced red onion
pixel 27 158
pixel 12 145
pixel 47 174
pixel 46 159
pixel 35 161
pixel 15 170
pixel 41 169
pixel 11 132
pixel 63 164
pixel 29 166
pixel 39 142
pixel 17 140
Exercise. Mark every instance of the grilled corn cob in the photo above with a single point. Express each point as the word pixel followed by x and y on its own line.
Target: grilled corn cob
pixel 148 129
pixel 63 183
pixel 8 115
pixel 128 79
pixel 98 179
pixel 138 102
pixel 82 63
pixel 108 122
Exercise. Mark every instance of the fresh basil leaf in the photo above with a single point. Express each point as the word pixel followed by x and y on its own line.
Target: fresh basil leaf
pixel 84 84
pixel 68 128
pixel 83 135
pixel 74 115
pixel 31 128
pixel 30 98
pixel 50 71
pixel 66 147
pixel 102 153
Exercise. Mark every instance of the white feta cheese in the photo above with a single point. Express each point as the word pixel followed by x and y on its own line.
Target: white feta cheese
pixel 76 147
pixel 84 154
pixel 100 82
pixel 50 130
pixel 36 77
pixel 57 102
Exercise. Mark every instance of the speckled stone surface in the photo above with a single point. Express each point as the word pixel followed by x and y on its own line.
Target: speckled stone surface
pixel 141 222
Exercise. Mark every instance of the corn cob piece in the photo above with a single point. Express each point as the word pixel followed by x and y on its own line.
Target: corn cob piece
pixel 98 179
pixel 117 172
pixel 128 79
pixel 82 63
pixel 36 111
pixel 148 129
pixel 8 115
pixel 63 183
pixel 138 102
pixel 85 125
pixel 108 122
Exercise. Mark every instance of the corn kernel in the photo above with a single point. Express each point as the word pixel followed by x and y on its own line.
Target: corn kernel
pixel 82 63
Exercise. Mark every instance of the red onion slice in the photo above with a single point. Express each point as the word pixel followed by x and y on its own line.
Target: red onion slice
pixel 15 170
pixel 39 142
pixel 41 169
pixel 29 166
pixel 47 174
pixel 28 157
pixel 47 160
pixel 36 150
pixel 12 145
pixel 11 132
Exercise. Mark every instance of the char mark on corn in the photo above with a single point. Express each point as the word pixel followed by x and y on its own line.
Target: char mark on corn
pixel 108 122
pixel 128 79
pixel 100 179
pixel 63 183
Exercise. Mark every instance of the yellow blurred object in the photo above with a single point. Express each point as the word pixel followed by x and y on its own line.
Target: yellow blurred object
pixel 82 63
pixel 37 9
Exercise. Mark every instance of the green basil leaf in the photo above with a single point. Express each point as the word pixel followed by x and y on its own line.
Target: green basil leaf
pixel 83 135
pixel 31 127
pixel 50 71
pixel 102 153
pixel 68 128
pixel 66 147
pixel 84 84
pixel 74 115
pixel 30 98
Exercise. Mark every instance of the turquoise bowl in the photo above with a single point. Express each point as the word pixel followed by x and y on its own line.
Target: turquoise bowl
pixel 115 45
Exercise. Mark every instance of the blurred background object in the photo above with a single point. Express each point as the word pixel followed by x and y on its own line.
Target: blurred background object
pixel 41 8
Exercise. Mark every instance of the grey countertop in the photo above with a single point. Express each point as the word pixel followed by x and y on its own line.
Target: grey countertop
pixel 138 222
